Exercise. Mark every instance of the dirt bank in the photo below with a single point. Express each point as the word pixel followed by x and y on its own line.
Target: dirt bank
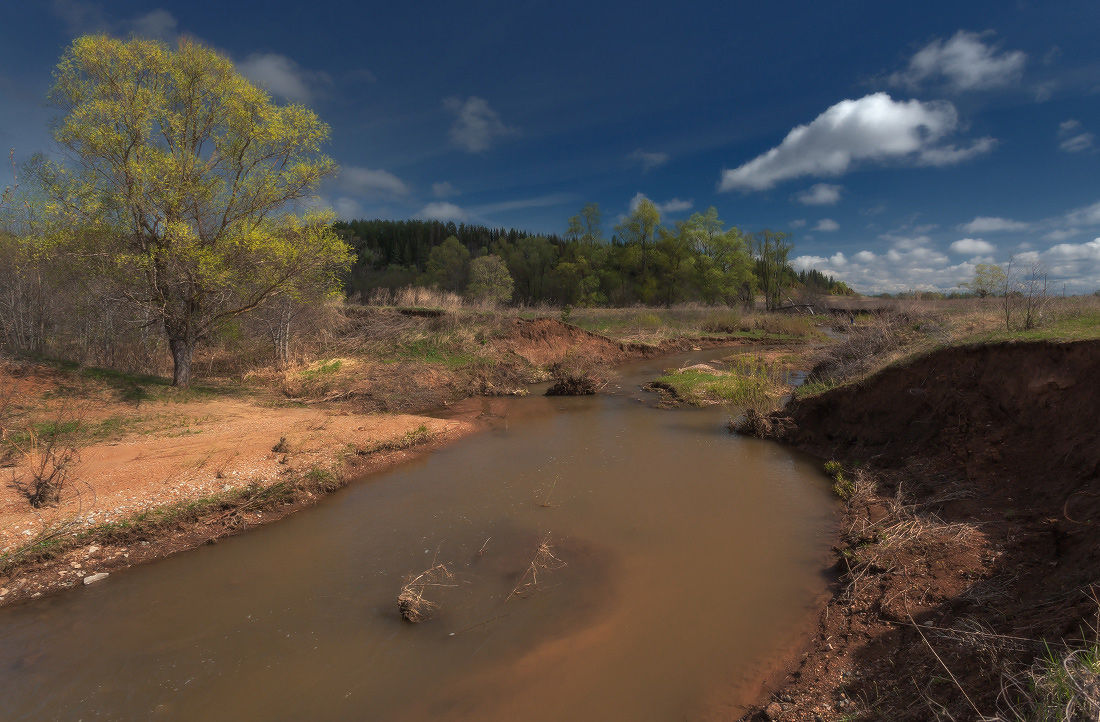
pixel 969 538
pixel 151 478
pixel 545 341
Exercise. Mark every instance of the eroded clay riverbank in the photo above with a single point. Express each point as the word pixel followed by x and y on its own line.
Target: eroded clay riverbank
pixel 968 546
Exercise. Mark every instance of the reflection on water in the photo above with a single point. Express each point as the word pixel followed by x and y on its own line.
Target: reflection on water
pixel 690 554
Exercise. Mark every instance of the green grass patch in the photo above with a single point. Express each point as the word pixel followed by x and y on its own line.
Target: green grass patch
pixel 436 350
pixel 747 384
pixel 324 368
pixel 1078 326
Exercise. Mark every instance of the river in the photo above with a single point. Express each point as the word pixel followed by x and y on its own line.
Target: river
pixel 689 557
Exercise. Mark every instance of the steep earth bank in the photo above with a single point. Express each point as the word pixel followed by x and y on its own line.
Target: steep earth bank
pixel 969 544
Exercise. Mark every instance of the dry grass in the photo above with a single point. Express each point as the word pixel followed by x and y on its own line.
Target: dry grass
pixel 416 297
pixel 905 532
pixel 543 562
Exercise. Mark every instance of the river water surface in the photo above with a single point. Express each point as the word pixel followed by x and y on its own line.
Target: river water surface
pixel 691 556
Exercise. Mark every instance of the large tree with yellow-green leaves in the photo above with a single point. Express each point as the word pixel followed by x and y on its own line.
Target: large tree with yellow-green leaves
pixel 188 185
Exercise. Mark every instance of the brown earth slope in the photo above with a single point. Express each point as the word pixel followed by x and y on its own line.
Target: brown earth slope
pixel 981 539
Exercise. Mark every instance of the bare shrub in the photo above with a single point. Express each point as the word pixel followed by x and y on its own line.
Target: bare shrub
pixel 861 351
pixel 760 424
pixel 50 454
pixel 577 375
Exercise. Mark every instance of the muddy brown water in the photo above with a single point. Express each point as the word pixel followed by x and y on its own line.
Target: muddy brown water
pixel 691 557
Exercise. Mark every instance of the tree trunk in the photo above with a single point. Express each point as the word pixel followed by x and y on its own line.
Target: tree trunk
pixel 182 351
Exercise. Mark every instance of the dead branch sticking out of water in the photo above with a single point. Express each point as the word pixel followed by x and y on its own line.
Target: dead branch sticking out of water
pixel 414 606
pixel 543 561
pixel 546 502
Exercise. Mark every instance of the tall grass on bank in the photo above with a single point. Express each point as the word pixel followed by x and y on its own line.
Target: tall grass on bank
pixel 1060 686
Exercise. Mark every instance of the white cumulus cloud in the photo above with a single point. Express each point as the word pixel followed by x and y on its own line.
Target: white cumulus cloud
pixel 1074 251
pixel 827 225
pixel 364 181
pixel 821 194
pixel 282 76
pixel 798 223
pixel 972 247
pixel 965 62
pixel 993 224
pixel 1075 264
pixel 441 211
pixel 476 126
pixel 874 128
pixel 892 271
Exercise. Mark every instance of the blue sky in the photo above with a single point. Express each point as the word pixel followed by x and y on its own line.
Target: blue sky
pixel 899 143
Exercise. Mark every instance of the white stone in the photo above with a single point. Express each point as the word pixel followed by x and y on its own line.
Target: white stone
pixel 93 578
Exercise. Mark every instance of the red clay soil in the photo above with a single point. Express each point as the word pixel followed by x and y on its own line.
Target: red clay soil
pixel 994 452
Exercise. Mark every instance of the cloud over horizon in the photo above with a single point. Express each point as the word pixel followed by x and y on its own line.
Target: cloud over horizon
pixel 874 128
pixel 441 211
pixel 364 181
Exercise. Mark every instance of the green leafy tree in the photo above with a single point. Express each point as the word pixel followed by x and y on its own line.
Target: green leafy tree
pixel 448 265
pixel 724 269
pixel 490 280
pixel 585 227
pixel 187 182
pixel 989 280
pixel 674 264
pixel 639 229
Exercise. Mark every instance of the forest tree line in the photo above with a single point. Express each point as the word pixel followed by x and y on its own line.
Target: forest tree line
pixel 694 260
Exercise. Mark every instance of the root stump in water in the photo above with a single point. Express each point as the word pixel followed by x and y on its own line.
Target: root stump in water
pixel 414 606
pixel 574 386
